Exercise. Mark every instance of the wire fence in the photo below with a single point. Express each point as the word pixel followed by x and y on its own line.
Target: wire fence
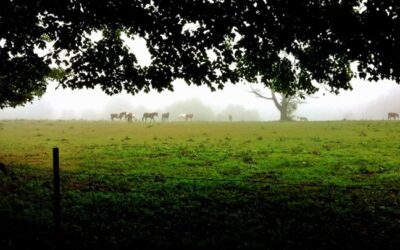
pixel 53 194
pixel 161 178
pixel 125 184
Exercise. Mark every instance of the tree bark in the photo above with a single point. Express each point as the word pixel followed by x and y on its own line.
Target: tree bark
pixel 281 106
pixel 276 101
pixel 284 110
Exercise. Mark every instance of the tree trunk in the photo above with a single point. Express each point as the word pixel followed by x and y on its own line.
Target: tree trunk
pixel 284 111
pixel 282 106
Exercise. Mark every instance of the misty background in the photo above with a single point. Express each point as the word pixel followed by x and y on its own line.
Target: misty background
pixel 367 101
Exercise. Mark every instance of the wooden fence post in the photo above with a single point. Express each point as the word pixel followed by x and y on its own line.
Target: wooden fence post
pixel 56 197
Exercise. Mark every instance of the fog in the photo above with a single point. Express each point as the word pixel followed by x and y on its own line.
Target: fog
pixel 381 105
pixel 366 101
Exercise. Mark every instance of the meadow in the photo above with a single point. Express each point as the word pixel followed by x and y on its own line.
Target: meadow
pixel 200 184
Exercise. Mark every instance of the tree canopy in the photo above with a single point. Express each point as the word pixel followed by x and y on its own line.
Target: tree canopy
pixel 284 79
pixel 246 38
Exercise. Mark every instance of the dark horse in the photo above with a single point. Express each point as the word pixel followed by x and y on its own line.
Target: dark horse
pixel 150 116
pixel 130 117
pixel 114 116
pixel 122 115
pixel 393 115
pixel 165 116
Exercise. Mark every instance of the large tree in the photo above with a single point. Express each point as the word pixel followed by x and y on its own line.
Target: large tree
pixel 285 79
pixel 325 36
pixel 286 104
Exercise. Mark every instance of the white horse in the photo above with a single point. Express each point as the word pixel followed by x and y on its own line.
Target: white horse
pixel 186 116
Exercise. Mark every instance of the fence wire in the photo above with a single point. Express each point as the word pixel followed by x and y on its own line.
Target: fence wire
pixel 42 172
pixel 91 196
pixel 125 183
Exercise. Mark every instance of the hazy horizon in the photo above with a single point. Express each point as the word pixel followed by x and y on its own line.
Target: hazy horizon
pixel 366 101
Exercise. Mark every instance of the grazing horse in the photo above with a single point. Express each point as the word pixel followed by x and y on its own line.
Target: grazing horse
pixel 122 115
pixel 150 116
pixel 131 117
pixel 188 116
pixel 302 118
pixel 393 115
pixel 165 116
pixel 114 116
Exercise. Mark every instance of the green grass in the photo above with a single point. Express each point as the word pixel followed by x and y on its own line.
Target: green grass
pixel 313 185
pixel 341 153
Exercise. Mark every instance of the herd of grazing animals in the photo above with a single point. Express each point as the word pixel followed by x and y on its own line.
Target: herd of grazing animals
pixel 189 117
pixel 148 116
pixel 120 116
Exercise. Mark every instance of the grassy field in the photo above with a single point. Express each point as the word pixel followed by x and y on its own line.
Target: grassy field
pixel 341 153
pixel 258 185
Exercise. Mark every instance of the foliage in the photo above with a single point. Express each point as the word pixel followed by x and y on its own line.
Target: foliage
pixel 246 39
pixel 286 81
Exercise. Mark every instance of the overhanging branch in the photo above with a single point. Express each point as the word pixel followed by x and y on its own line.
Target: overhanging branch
pixel 258 94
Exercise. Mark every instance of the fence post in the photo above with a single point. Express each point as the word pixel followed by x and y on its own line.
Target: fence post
pixel 57 197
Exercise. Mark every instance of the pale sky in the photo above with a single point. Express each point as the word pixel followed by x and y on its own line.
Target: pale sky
pixel 366 101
